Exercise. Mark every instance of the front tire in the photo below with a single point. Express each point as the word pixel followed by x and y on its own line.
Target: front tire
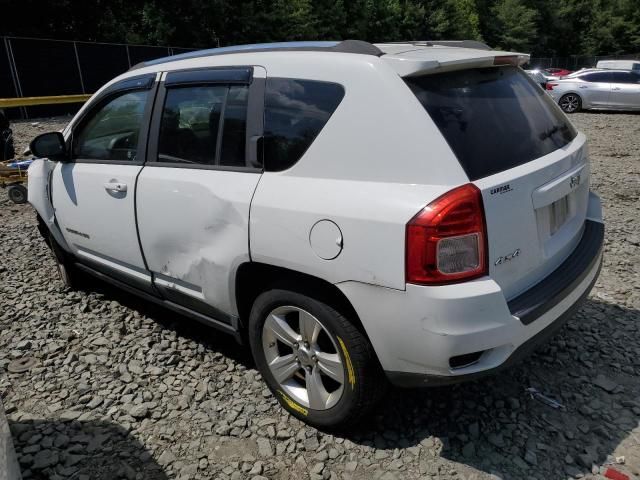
pixel 318 365
pixel 570 103
pixel 69 274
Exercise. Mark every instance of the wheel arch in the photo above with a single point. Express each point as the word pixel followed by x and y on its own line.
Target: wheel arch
pixel 254 278
pixel 583 102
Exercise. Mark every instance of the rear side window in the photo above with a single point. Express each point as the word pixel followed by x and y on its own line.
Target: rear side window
pixel 204 125
pixel 597 77
pixel 295 113
pixel 494 119
pixel 625 77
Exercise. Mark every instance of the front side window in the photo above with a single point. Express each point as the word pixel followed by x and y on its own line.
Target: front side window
pixel 597 77
pixel 204 125
pixel 295 113
pixel 112 132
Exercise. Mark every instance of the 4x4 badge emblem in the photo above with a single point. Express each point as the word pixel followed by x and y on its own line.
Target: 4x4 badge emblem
pixel 507 258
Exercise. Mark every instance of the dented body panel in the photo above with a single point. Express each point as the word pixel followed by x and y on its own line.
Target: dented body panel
pixel 194 229
pixel 39 197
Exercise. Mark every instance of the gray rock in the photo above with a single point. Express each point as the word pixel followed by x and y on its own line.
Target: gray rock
pixel 264 447
pixel 469 450
pixel 605 383
pixel 139 411
pixel 44 459
pixel 166 458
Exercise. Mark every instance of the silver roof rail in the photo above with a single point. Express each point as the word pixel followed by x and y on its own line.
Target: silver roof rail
pixel 344 46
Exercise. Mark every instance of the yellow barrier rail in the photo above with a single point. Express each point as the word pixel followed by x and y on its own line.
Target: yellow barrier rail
pixel 51 100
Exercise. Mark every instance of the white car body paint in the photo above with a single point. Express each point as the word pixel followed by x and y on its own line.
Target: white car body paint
pixel 194 228
pixel 38 195
pixel 97 223
pixel 378 161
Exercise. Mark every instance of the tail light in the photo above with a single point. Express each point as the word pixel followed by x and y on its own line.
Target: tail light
pixel 550 85
pixel 446 242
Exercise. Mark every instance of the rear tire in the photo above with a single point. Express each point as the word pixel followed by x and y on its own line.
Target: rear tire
pixel 570 103
pixel 327 373
pixel 17 194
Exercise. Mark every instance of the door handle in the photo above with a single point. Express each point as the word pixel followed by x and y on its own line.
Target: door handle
pixel 615 88
pixel 115 187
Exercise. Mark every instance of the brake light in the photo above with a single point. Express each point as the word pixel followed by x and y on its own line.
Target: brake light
pixel 446 240
pixel 549 85
pixel 514 60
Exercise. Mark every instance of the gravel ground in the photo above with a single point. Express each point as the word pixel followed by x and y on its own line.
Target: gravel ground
pixel 121 389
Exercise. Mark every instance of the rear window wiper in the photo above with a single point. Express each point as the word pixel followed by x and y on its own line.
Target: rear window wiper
pixel 553 130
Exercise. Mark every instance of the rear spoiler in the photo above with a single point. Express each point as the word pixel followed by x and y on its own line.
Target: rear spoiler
pixel 446 43
pixel 424 62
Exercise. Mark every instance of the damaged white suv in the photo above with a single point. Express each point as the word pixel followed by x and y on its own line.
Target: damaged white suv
pixel 417 212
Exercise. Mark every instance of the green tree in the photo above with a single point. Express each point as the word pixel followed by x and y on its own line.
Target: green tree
pixel 465 20
pixel 517 29
pixel 615 27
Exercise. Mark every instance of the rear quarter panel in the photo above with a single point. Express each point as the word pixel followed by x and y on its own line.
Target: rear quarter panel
pixel 377 162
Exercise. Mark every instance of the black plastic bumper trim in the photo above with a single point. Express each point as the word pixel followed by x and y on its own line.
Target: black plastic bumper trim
pixel 416 380
pixel 535 302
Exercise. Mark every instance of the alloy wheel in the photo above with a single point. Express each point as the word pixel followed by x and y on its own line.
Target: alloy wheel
pixel 570 103
pixel 303 357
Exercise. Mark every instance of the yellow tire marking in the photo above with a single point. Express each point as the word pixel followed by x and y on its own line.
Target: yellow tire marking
pixel 350 371
pixel 293 405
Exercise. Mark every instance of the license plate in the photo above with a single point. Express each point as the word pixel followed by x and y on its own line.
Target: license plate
pixel 558 213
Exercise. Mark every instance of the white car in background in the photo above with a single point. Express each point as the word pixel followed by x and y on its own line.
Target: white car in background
pixel 597 89
pixel 620 64
pixel 412 212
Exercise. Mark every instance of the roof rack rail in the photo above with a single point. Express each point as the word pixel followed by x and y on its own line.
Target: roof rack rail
pixel 344 46
pixel 450 43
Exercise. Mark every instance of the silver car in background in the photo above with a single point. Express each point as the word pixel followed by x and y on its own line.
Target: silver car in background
pixel 597 89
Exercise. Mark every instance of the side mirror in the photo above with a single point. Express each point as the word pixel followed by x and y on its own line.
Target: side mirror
pixel 49 145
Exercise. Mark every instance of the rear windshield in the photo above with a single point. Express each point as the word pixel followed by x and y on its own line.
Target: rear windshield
pixel 494 118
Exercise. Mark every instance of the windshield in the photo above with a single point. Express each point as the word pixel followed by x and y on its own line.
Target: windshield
pixel 494 119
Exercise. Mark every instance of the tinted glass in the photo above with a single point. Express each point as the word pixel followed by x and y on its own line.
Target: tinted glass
pixel 112 132
pixel 597 77
pixel 204 125
pixel 234 129
pixel 624 77
pixel 295 112
pixel 494 119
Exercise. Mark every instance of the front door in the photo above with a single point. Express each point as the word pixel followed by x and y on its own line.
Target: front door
pixel 94 194
pixel 195 190
pixel 596 88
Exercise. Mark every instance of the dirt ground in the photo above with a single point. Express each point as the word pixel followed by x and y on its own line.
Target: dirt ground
pixel 121 389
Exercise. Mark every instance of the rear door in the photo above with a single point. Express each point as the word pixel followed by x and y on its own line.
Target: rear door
pixel 595 88
pixel 625 90
pixel 530 163
pixel 195 190
pixel 93 194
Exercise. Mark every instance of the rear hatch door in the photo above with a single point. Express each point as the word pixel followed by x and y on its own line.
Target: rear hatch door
pixel 530 163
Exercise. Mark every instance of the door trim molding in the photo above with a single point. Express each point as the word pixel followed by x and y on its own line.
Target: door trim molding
pixel 232 327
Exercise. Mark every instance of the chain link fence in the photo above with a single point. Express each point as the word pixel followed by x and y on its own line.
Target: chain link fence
pixel 575 62
pixel 32 67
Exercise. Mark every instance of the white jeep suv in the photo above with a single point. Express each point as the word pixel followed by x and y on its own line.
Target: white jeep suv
pixel 418 212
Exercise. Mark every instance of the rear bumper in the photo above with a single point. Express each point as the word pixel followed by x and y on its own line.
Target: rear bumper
pixel 414 380
pixel 416 333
